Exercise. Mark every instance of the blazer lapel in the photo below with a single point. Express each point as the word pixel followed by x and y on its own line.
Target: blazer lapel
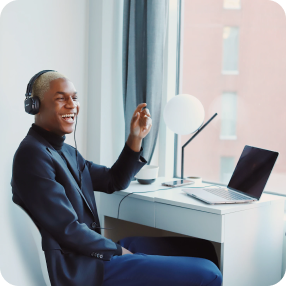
pixel 69 173
pixel 73 165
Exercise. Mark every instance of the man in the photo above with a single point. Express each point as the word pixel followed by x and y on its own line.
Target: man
pixel 55 186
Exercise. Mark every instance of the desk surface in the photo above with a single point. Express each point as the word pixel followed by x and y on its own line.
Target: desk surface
pixel 177 197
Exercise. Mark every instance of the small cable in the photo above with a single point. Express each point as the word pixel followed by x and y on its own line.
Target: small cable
pixel 138 193
pixel 74 136
pixel 80 182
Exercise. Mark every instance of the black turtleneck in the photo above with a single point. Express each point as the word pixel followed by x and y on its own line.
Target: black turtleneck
pixel 54 139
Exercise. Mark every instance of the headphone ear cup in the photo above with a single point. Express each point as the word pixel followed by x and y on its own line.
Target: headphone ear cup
pixel 32 105
pixel 36 104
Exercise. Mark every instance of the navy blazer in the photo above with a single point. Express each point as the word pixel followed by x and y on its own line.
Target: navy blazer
pixel 66 214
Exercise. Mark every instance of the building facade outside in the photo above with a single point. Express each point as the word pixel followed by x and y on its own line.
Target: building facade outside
pixel 233 60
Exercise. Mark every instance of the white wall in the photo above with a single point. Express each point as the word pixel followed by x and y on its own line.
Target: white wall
pixel 105 123
pixel 34 35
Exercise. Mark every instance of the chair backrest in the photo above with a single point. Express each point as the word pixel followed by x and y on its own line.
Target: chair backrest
pixel 37 239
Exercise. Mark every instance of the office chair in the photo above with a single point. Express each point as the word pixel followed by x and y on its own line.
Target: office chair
pixel 37 238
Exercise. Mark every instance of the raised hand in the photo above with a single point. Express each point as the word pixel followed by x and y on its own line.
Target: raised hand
pixel 141 122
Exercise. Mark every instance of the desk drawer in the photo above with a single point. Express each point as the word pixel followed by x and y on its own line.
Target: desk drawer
pixel 189 222
pixel 133 210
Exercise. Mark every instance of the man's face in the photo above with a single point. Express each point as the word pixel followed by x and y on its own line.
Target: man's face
pixel 59 107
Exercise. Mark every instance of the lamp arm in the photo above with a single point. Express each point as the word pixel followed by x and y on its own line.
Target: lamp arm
pixel 183 147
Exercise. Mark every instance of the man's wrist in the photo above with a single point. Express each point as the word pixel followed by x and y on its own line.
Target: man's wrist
pixel 134 143
pixel 132 154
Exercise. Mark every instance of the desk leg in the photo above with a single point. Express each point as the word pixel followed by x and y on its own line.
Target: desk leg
pixel 251 254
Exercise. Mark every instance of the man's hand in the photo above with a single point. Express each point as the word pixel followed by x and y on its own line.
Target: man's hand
pixel 141 122
pixel 125 251
pixel 140 126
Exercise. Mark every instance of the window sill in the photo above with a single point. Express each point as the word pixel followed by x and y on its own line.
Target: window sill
pixel 281 194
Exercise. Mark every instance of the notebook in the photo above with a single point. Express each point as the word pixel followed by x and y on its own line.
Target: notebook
pixel 247 181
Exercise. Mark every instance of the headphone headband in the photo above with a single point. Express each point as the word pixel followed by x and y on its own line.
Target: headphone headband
pixel 32 80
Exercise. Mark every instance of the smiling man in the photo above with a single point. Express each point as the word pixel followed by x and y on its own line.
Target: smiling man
pixel 55 185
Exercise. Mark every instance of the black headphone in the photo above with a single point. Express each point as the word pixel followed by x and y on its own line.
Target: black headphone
pixel 32 104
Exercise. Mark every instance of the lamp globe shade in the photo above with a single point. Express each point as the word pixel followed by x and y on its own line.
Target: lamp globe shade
pixel 184 114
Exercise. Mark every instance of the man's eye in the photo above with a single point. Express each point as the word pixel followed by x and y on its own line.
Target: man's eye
pixel 60 98
pixel 75 98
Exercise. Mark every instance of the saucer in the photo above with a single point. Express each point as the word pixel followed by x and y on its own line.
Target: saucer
pixel 146 181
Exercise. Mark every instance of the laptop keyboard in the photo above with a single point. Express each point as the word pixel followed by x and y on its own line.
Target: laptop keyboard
pixel 226 194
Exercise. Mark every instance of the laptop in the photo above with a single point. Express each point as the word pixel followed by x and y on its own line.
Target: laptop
pixel 247 181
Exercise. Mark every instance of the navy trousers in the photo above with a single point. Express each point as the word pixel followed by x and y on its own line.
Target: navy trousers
pixel 166 261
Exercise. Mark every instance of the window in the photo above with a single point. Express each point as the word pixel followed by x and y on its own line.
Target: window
pixel 230 50
pixel 228 115
pixel 231 4
pixel 215 45
pixel 226 169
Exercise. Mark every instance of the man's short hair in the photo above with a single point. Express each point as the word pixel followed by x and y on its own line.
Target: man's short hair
pixel 42 83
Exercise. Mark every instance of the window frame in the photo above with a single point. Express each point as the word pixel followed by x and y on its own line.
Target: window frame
pixel 178 80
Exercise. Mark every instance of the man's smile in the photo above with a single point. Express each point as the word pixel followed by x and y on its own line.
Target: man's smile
pixel 69 117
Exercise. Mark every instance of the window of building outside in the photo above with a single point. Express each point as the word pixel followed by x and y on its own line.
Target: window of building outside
pixel 228 116
pixel 250 104
pixel 226 169
pixel 230 50
pixel 231 4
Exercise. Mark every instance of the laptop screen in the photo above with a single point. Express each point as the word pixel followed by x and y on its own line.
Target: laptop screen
pixel 252 171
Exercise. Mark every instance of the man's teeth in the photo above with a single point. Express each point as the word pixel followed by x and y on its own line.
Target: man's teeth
pixel 68 115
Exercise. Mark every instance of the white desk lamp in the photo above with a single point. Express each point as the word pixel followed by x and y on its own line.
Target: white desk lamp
pixel 184 114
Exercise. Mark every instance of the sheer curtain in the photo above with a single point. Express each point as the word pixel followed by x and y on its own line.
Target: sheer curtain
pixel 144 33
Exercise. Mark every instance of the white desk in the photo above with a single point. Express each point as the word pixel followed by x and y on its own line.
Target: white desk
pixel 251 235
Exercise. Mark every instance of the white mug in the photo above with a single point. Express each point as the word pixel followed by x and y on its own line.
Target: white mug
pixel 147 174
